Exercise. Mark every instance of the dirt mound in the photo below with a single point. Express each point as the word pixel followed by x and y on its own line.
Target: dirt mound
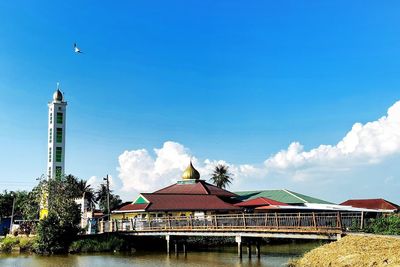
pixel 354 251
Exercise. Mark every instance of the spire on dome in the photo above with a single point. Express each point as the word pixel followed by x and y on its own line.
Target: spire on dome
pixel 58 96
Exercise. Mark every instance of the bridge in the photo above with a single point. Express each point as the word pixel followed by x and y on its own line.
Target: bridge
pixel 246 228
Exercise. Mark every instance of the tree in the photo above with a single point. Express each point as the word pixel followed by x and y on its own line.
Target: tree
pixel 6 203
pixel 221 176
pixel 80 188
pixel 56 232
pixel 101 198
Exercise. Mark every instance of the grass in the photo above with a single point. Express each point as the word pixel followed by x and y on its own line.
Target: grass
pixel 21 243
pixel 112 243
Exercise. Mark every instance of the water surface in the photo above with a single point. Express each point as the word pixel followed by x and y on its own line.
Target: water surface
pixel 271 255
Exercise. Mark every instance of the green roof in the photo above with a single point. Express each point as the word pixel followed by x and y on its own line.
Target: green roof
pixel 281 195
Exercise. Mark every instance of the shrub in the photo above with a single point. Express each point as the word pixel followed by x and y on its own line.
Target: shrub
pixel 26 228
pixel 53 236
pixel 389 225
pixel 8 243
pixel 26 243
pixel 108 244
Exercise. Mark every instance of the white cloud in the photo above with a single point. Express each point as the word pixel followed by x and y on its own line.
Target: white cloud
pixel 95 182
pixel 324 166
pixel 363 144
pixel 141 172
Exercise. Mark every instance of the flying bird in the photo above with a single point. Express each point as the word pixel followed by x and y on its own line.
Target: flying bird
pixel 76 49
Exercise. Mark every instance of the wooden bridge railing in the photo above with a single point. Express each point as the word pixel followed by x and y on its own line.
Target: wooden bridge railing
pixel 315 221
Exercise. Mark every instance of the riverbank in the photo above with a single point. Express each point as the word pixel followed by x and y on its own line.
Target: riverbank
pixel 17 243
pixel 354 251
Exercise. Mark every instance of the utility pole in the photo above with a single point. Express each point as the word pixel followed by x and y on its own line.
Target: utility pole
pixel 108 195
pixel 12 213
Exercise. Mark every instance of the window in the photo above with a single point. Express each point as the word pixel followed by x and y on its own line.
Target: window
pixel 49 171
pixel 58 154
pixel 59 117
pixel 58 172
pixel 59 135
pixel 49 154
pixel 50 135
pixel 51 117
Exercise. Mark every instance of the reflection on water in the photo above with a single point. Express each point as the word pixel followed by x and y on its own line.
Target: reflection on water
pixel 275 255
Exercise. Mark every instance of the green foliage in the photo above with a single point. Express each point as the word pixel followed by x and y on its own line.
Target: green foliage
pixel 23 243
pixel 26 228
pixel 108 244
pixel 30 207
pixel 80 188
pixel 221 176
pixel 8 243
pixel 389 225
pixel 101 198
pixel 6 203
pixel 57 231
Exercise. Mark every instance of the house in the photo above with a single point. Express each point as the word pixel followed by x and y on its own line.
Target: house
pixel 281 195
pixel 378 204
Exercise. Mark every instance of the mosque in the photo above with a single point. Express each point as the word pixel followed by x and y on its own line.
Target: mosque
pixel 189 196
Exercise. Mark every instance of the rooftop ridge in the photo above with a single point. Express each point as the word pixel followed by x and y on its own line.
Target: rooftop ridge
pixel 289 192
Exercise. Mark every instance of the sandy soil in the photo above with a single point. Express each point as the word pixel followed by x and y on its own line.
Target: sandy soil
pixel 354 251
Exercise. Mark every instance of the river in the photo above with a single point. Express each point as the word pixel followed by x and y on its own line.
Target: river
pixel 271 255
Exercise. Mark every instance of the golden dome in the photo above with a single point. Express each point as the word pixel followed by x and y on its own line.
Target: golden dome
pixel 190 173
pixel 58 96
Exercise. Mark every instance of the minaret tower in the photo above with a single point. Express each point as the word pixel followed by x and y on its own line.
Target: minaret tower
pixel 56 136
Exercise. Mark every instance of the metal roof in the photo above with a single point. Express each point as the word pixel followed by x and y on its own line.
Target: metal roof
pixel 260 201
pixel 281 195
pixel 200 187
pixel 379 204
pixel 131 208
pixel 172 202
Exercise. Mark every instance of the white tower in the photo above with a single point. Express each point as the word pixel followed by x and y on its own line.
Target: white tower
pixel 56 135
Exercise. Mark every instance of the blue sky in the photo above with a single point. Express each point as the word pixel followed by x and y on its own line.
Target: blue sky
pixel 226 80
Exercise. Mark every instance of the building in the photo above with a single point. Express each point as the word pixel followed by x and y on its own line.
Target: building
pixel 190 196
pixel 56 136
pixel 56 144
pixel 194 197
pixel 281 195
pixel 378 204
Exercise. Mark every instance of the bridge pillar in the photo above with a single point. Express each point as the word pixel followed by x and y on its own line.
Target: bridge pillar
pixel 184 248
pixel 176 247
pixel 258 248
pixel 338 236
pixel 238 240
pixel 168 238
pixel 249 248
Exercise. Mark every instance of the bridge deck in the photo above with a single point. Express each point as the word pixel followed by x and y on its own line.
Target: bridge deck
pixel 314 225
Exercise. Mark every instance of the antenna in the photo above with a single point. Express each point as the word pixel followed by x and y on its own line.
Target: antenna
pixel 58 85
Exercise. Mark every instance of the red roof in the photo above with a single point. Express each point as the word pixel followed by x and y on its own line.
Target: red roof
pixel 172 202
pixel 378 204
pixel 267 208
pixel 133 207
pixel 260 201
pixel 199 188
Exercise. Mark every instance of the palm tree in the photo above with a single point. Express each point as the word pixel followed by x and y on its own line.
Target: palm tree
pixel 101 198
pixel 79 188
pixel 221 176
pixel 88 193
